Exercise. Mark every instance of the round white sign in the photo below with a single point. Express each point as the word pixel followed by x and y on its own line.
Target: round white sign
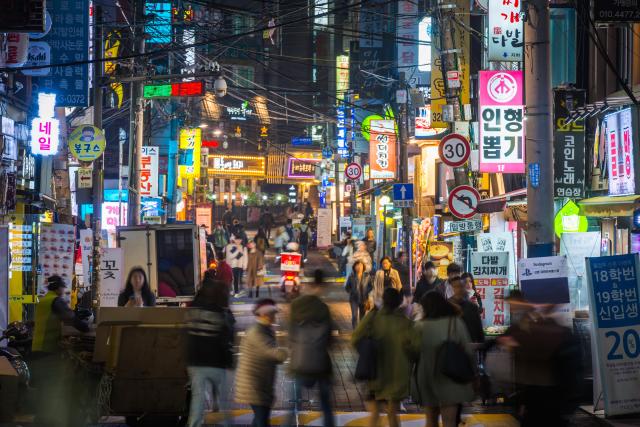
pixel 353 171
pixel 454 150
pixel 502 87
pixel 463 201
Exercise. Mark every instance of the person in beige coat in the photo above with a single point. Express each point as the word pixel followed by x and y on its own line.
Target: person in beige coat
pixel 386 277
pixel 255 265
pixel 259 358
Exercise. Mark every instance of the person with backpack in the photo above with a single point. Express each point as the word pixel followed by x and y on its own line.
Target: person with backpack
pixel 309 341
pixel 392 332
pixel 210 334
pixel 220 239
pixel 436 390
pixel 304 236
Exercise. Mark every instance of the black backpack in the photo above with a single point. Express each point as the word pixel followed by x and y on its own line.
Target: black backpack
pixel 304 236
pixel 309 342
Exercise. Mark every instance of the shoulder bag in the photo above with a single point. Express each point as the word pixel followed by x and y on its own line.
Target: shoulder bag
pixel 453 361
pixel 367 365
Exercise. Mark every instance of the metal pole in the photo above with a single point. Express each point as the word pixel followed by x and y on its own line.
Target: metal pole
pixel 338 201
pixel 539 144
pixel 403 131
pixel 97 176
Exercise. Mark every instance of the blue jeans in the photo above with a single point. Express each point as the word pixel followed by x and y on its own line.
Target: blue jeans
pixel 324 387
pixel 203 378
pixel 261 416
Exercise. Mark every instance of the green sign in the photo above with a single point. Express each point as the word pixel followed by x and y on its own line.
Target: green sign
pixel 568 219
pixel 157 91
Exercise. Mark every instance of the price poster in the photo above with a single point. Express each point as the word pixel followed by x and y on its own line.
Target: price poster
pixel 57 244
pixel 613 293
pixel 491 273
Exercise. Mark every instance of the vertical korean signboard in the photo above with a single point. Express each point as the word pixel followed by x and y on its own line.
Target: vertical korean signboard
pixel 68 41
pixel 149 171
pixel 617 129
pixel 491 274
pixel 190 144
pixel 407 30
pixel 382 149
pixel 568 146
pixel 506 30
pixel 613 295
pixel 501 122
pixel 111 276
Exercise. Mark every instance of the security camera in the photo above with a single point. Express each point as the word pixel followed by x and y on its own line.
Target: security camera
pixel 220 87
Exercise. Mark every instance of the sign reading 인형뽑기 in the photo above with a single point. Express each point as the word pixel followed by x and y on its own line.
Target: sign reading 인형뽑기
pixel 491 273
pixel 613 294
pixel 382 149
pixel 501 122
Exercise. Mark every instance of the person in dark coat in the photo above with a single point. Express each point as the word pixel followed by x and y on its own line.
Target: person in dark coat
pixel 402 265
pixel 470 311
pixel 358 286
pixel 429 281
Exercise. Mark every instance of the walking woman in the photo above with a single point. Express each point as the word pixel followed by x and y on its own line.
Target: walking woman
pixel 439 395
pixel 392 331
pixel 474 296
pixel 255 266
pixel 358 287
pixel 386 277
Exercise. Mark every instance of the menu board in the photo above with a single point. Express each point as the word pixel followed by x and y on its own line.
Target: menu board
pixel 57 243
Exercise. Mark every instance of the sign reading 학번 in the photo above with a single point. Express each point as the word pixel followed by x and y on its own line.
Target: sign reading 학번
pixel 614 299
pixel 491 273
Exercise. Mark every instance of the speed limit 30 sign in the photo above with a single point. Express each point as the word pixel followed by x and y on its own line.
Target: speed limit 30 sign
pixel 353 171
pixel 454 150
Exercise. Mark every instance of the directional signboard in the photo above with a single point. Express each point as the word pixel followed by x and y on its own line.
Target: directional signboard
pixel 454 150
pixel 463 201
pixel 353 171
pixel 403 195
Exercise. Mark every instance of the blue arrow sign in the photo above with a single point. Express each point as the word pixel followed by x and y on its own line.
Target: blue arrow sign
pixel 402 192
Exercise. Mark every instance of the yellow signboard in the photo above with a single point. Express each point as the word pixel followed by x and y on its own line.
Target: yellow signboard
pixel 461 42
pixel 190 141
pixel 87 143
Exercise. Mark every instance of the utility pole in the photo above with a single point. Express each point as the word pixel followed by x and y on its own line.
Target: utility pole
pixel 403 136
pixel 97 176
pixel 539 151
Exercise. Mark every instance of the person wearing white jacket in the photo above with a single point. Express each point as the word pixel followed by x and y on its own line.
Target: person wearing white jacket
pixel 236 256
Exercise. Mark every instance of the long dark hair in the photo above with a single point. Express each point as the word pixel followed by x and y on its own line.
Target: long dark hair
pixel 212 293
pixel 146 293
pixel 469 276
pixel 435 306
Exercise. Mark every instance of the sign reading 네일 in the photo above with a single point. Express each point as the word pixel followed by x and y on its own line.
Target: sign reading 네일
pixel 149 171
pixel 502 142
pixel 87 143
pixel 382 149
pixel 506 30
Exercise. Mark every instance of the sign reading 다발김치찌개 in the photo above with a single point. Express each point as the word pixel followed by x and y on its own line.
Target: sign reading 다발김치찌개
pixel 502 142
pixel 382 149
pixel 491 274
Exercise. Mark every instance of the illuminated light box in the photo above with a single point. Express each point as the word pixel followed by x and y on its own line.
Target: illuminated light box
pixel 45 129
pixel 168 90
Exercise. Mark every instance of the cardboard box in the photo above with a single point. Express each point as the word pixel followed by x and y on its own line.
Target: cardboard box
pixel 9 382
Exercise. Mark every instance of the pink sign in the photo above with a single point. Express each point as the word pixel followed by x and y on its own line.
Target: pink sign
pixel 502 122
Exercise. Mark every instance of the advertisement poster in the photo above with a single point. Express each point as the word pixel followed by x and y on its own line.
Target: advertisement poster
pixel 57 244
pixel 149 171
pixel 86 251
pixel 613 295
pixel 441 254
pixel 618 133
pixel 382 149
pixel 491 273
pixel 21 246
pixel 577 247
pixel 502 139
pixel 325 216
pixel 111 276
pixel 545 280
pixel 203 217
pixel 506 31
pixel 568 140
pixel 500 242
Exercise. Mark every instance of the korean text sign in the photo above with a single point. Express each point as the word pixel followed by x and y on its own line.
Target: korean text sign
pixel 302 168
pixel 502 122
pixel 506 30
pixel 613 294
pixel 68 41
pixel 190 145
pixel 382 149
pixel 491 273
pixel 114 214
pixel 545 280
pixel 568 144
pixel 617 129
pixel 149 171
pixel 87 143
pixel 111 276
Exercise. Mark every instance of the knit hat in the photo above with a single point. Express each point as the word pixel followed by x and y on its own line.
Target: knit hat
pixel 55 282
pixel 265 306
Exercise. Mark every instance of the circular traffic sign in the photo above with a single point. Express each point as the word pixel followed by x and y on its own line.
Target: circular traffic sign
pixel 353 171
pixel 454 150
pixel 87 143
pixel 463 201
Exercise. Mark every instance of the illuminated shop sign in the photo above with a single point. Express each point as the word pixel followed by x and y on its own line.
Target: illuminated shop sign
pixel 45 129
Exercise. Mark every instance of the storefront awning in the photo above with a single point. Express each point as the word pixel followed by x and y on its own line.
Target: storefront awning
pixel 498 203
pixel 609 206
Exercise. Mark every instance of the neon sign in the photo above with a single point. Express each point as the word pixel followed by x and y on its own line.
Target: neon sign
pixel 45 129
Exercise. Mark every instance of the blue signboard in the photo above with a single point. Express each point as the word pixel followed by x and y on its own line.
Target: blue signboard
pixel 159 26
pixel 534 174
pixel 301 140
pixel 402 192
pixel 341 132
pixel 68 41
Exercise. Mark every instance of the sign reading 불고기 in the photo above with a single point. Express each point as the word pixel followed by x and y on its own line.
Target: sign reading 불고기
pixel 617 130
pixel 502 142
pixel 68 41
pixel 614 300
pixel 149 171
pixel 491 273
pixel 506 30
pixel 568 145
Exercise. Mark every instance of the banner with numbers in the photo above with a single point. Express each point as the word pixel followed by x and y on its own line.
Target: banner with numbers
pixel 491 274
pixel 613 294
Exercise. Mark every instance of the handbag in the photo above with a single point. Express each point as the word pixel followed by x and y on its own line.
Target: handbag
pixel 367 365
pixel 453 361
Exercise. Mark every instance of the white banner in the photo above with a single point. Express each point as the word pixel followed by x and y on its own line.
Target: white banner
pixel 111 276
pixel 614 293
pixel 506 31
pixel 500 242
pixel 149 171
pixel 577 247
pixel 325 216
pixel 86 252
pixel 491 271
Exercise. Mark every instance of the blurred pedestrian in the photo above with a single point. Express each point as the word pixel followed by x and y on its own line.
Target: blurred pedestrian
pixel 236 255
pixel 259 356
pixel 453 270
pixel 280 243
pixel 304 236
pixel 309 341
pixel 386 277
pixel 239 232
pixel 290 231
pixel 210 348
pixel 220 237
pixel 348 249
pixel 470 311
pixel 392 331
pixel 262 241
pixel 359 254
pixel 308 210
pixel 439 394
pixel 255 269
pixel 358 286
pixel 267 221
pixel 224 272
pixel 227 219
pixel 370 241
pixel 137 292
pixel 470 285
pixel 401 264
pixel 429 281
